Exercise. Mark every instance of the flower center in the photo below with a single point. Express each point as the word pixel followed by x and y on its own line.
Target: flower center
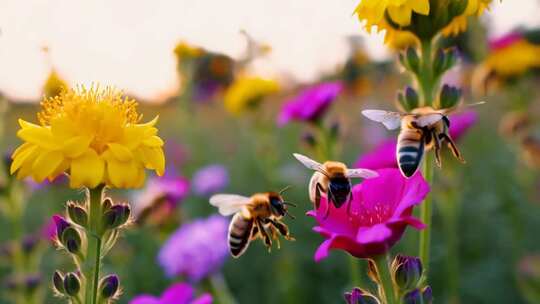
pixel 101 114
pixel 374 213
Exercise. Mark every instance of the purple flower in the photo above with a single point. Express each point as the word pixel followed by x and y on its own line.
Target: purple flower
pixel 196 249
pixel 210 179
pixel 359 296
pixel 179 293
pixel 384 155
pixel 310 104
pixel 160 194
pixel 380 211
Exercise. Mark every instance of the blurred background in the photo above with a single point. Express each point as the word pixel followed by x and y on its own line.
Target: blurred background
pixel 218 75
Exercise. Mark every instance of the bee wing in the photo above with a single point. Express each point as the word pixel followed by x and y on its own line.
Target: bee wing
pixel 361 173
pixel 391 120
pixel 228 204
pixel 308 162
pixel 429 119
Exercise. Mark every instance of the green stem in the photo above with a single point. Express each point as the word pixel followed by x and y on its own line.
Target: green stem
pixel 425 77
pixel 221 290
pixel 449 211
pixel 93 254
pixel 425 215
pixel 387 294
pixel 354 264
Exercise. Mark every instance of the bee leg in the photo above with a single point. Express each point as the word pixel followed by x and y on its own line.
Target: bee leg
pixel 275 236
pixel 349 199
pixel 264 233
pixel 318 190
pixel 254 232
pixel 330 201
pixel 283 229
pixel 453 148
pixel 437 142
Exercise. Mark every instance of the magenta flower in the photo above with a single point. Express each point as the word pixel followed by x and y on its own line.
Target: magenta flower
pixel 49 230
pixel 196 249
pixel 381 209
pixel 210 179
pixel 310 104
pixel 504 41
pixel 384 155
pixel 179 293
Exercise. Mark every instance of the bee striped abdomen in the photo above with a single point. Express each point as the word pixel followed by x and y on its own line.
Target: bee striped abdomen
pixel 239 234
pixel 410 151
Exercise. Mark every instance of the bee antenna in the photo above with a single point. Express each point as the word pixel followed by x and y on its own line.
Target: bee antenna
pixel 290 204
pixel 285 189
pixel 290 215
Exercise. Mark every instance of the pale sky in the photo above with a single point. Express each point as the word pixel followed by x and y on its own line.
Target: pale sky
pixel 128 43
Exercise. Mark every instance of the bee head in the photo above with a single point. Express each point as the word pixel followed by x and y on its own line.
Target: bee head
pixel 278 206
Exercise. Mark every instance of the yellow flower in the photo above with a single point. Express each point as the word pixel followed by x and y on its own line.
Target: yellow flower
pixel 514 59
pixel 185 50
pixel 247 92
pixel 459 23
pixel 94 135
pixel 54 85
pixel 372 13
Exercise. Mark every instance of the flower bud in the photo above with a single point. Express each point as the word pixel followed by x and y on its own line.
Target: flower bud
pixel 410 60
pixel 407 271
pixel 449 97
pixel 409 100
pixel 72 284
pixel 117 216
pixel 309 139
pixel 109 286
pixel 413 297
pixel 58 282
pixel 71 239
pixel 334 129
pixel 77 214
pixel 427 295
pixel 359 296
pixel 29 243
pixel 444 60
pixel 61 224
pixel 106 204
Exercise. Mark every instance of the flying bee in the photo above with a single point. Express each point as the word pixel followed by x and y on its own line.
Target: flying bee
pixel 333 179
pixel 258 216
pixel 421 130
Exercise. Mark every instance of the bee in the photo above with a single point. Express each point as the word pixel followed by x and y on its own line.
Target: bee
pixel 258 216
pixel 334 180
pixel 421 130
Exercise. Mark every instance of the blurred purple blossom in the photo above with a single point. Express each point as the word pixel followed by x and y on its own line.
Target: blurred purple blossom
pixel 196 249
pixel 179 293
pixel 210 179
pixel 380 211
pixel 310 104
pixel 161 192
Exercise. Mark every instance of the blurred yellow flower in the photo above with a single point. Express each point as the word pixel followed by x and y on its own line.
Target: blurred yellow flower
pixel 459 23
pixel 54 85
pixel 514 59
pixel 94 135
pixel 185 50
pixel 247 92
pixel 372 14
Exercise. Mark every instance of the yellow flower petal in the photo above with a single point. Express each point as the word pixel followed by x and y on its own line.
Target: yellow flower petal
pixel 76 146
pixel 38 135
pixel 87 170
pixel 420 6
pixel 122 174
pixel 21 155
pixel 46 164
pixel 120 152
pixel 155 159
pixel 400 15
pixel 153 141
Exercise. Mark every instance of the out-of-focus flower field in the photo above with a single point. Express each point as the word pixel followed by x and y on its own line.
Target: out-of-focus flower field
pixel 230 131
